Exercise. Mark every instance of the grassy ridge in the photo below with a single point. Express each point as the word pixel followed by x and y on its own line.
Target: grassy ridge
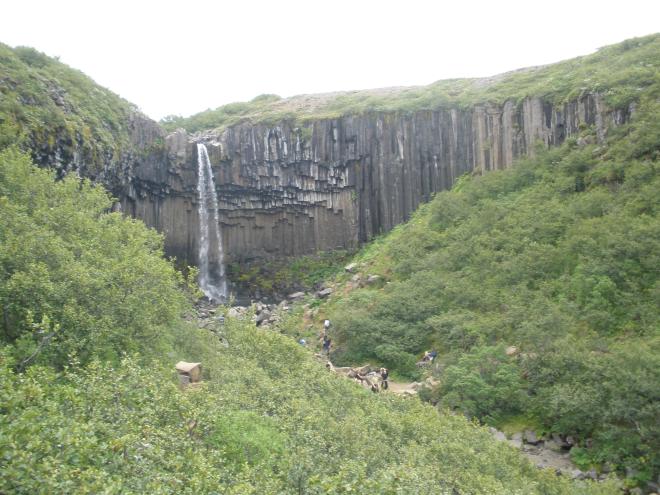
pixel 45 105
pixel 620 72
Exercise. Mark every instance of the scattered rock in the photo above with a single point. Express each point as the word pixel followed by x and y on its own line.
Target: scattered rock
pixel 372 279
pixel 553 445
pixel 512 350
pixel 516 440
pixel 236 312
pixel 653 487
pixel 263 316
pixel 497 434
pixel 350 268
pixel 530 437
pixel 324 293
pixel 576 474
pixel 296 296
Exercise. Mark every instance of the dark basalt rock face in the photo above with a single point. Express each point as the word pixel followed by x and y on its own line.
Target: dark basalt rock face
pixel 334 183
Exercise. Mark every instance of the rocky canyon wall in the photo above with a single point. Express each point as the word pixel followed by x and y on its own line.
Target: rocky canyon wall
pixel 334 183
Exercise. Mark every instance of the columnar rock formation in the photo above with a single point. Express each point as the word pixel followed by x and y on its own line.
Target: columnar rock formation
pixel 285 190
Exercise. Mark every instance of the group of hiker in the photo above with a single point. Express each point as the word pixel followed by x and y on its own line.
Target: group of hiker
pixel 324 339
pixel 374 380
pixel 429 356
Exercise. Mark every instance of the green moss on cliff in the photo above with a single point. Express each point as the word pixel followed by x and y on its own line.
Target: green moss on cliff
pixel 47 106
pixel 620 72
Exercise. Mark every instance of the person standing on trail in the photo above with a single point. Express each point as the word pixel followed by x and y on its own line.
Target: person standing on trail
pixel 384 375
pixel 327 342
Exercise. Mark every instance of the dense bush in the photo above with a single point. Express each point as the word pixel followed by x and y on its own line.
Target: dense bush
pixel 267 419
pixel 76 280
pixel 89 401
pixel 558 257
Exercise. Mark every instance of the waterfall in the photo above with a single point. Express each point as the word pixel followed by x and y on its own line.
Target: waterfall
pixel 212 278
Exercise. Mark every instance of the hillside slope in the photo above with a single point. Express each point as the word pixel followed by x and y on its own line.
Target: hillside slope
pixel 93 323
pixel 556 259
pixel 68 122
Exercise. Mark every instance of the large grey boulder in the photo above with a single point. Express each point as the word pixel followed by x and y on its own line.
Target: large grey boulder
pixel 324 293
pixel 351 267
pixel 530 437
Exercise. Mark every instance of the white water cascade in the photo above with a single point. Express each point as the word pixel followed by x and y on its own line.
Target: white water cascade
pixel 212 278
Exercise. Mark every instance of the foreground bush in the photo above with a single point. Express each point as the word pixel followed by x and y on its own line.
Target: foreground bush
pixel 76 280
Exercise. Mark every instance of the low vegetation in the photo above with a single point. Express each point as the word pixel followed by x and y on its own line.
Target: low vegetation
pixel 277 279
pixel 93 321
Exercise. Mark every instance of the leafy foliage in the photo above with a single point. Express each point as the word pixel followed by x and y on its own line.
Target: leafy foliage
pixel 558 257
pixel 98 410
pixel 75 279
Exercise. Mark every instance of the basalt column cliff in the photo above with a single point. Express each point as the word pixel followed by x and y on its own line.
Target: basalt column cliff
pixel 286 189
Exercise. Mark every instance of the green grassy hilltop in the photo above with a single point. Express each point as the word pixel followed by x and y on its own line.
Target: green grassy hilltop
pixel 620 72
pixel 47 107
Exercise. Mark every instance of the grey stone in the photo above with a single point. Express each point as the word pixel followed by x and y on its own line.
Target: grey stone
pixel 552 445
pixel 324 293
pixel 351 267
pixel 576 474
pixel 516 440
pixel 296 296
pixel 234 312
pixel 530 437
pixel 372 279
pixel 499 435
pixel 263 316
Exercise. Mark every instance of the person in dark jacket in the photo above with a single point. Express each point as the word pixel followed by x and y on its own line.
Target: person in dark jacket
pixel 384 375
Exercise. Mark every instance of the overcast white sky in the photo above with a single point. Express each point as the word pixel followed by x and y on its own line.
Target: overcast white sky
pixel 182 57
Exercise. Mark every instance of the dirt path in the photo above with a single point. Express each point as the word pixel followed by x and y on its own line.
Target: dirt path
pixel 401 388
